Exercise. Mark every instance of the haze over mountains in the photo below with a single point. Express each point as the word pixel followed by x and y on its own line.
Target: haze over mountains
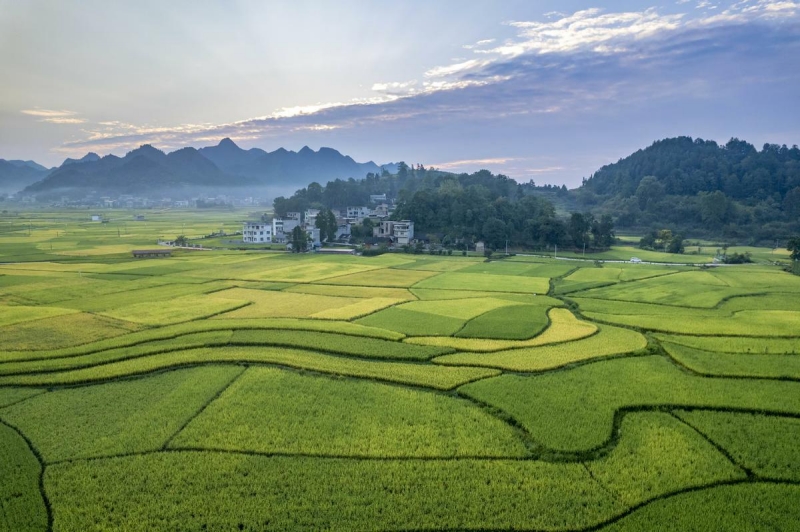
pixel 147 170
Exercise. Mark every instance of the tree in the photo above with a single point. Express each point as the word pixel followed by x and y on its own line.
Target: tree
pixel 649 192
pixel 299 239
pixel 675 244
pixel 494 231
pixel 579 226
pixel 794 247
pixel 326 223
pixel 181 241
pixel 603 232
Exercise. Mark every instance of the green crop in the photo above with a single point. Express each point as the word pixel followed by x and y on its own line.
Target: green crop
pixel 735 364
pixel 328 417
pixel 171 491
pixel 410 373
pixel 412 323
pixel 583 419
pixel 609 341
pixel 10 315
pixel 487 283
pixel 751 506
pixel 22 508
pixel 388 277
pixel 766 445
pixel 736 344
pixel 118 417
pixel 517 322
pixel 564 327
pixel 659 455
pixel 63 331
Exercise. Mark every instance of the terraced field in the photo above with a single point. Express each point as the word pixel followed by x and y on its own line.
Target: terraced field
pixel 264 391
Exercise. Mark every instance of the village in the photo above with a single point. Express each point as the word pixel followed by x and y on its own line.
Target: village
pixel 277 230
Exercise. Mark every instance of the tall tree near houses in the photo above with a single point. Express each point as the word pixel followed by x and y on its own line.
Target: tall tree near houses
pixel 299 239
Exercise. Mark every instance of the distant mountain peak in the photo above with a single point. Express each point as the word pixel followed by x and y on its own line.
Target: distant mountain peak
pixel 89 157
pixel 228 144
pixel 305 150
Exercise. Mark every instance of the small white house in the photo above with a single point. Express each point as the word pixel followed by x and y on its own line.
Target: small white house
pixel 357 214
pixel 97 218
pixel 400 232
pixel 377 198
pixel 636 260
pixel 257 233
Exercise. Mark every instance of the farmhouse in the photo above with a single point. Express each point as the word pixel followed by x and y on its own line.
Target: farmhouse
pixel 400 232
pixel 257 233
pixel 151 253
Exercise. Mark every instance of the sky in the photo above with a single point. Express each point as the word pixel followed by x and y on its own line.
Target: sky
pixel 543 90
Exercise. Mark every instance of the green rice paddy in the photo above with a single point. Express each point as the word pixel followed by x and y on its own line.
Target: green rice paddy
pixel 258 390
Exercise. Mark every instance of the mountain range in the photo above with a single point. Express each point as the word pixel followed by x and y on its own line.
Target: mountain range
pixel 147 170
pixel 16 175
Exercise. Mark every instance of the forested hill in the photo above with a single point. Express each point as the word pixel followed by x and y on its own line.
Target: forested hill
pixel 459 209
pixel 698 185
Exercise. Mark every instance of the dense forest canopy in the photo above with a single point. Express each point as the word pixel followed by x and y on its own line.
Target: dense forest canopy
pixel 733 190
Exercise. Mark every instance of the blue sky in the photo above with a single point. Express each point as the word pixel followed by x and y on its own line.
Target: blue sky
pixel 546 90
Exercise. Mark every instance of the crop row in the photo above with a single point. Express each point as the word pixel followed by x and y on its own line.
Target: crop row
pixel 763 323
pixel 63 331
pixel 173 331
pixel 564 327
pixel 608 341
pixel 735 364
pixel 432 376
pixel 319 341
pixel 736 344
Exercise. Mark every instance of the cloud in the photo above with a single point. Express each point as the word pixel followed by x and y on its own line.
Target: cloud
pixel 457 68
pixel 53 116
pixel 473 162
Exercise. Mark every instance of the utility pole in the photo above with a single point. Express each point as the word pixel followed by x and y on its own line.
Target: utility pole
pixel 584 250
pixel 555 254
pixel 506 246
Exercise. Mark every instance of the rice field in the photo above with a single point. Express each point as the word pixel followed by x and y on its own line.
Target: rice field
pixel 257 390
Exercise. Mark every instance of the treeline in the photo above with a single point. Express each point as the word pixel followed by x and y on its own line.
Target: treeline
pixel 457 210
pixel 701 187
pixel 341 193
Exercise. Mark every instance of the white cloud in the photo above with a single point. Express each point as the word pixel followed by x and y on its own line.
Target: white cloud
pixel 54 116
pixel 457 68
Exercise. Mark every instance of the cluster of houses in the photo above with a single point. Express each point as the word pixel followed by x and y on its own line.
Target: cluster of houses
pixel 278 230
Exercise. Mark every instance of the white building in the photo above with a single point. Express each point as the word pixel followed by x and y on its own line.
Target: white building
pixel 377 198
pixel 400 232
pixel 282 228
pixel 257 233
pixel 357 214
pixel 381 211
